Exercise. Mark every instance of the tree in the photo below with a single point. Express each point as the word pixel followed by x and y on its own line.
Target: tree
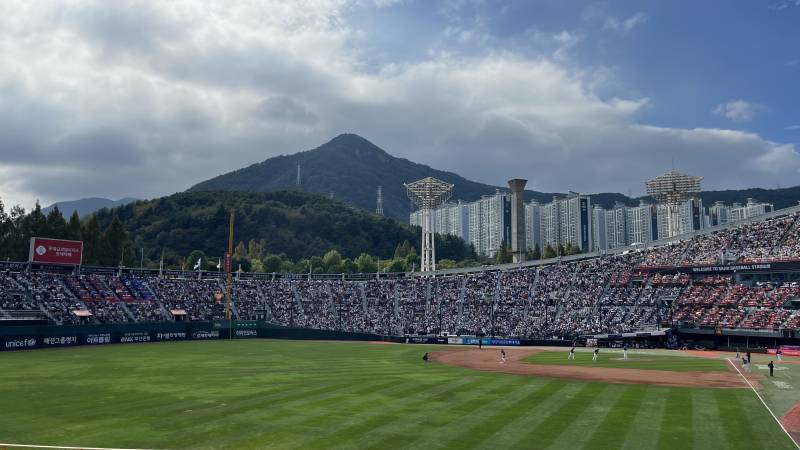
pixel 504 255
pixel 36 222
pixel 113 241
pixel 549 252
pixel 91 241
pixel 366 264
pixel 256 265
pixel 404 250
pixel 396 265
pixel 348 266
pixel 561 251
pixel 74 227
pixel 196 255
pixel 56 226
pixel 272 263
pixel 534 254
pixel 332 262
pixel 445 264
pixel 255 249
pixel 317 265
pixel 240 252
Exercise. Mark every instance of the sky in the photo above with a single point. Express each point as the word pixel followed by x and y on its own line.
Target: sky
pixel 146 98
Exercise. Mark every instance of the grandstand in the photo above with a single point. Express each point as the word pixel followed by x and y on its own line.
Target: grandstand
pixel 681 284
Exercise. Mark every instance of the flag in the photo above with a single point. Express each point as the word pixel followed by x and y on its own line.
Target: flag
pixel 197 266
pixel 219 264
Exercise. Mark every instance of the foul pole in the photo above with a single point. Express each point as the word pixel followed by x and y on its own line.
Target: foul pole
pixel 229 274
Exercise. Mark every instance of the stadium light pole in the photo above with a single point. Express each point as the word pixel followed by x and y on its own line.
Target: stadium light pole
pixel 428 194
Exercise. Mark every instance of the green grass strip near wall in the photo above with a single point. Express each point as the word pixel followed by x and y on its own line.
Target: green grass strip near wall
pixel 636 361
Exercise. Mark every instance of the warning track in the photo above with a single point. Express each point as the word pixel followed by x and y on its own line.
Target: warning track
pixel 488 360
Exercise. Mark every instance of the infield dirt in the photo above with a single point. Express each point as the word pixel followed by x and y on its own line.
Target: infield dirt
pixel 489 360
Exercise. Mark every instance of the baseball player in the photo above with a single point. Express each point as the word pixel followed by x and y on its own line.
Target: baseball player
pixel 625 352
pixel 502 356
pixel 571 354
pixel 778 354
pixel 595 353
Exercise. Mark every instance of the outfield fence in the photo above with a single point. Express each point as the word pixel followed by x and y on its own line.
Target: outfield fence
pixel 30 337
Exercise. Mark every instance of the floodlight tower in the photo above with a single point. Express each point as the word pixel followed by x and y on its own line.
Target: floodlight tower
pixel 428 193
pixel 671 190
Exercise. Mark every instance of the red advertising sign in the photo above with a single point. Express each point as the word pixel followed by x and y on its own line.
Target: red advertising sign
pixel 55 251
pixel 228 262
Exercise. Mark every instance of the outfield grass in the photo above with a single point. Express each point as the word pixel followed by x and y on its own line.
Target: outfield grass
pixel 644 361
pixel 307 395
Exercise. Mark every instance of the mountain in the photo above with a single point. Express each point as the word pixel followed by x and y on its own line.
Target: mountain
pixel 351 168
pixel 86 206
pixel 294 223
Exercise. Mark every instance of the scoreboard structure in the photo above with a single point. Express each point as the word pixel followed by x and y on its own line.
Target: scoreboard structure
pixel 55 251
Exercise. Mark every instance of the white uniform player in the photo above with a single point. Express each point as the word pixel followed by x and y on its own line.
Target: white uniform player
pixel 596 352
pixel 571 353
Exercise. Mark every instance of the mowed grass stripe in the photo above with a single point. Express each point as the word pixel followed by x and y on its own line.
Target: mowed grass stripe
pixel 582 426
pixel 676 422
pixel 559 419
pixel 488 391
pixel 644 429
pixel 706 419
pixel 279 414
pixel 486 427
pixel 762 428
pixel 279 430
pixel 734 420
pixel 203 421
pixel 508 434
pixel 454 428
pixel 617 423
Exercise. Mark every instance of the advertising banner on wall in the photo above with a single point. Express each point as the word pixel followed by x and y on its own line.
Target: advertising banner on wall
pixel 55 251
pixel 245 333
pixel 202 335
pixel 19 342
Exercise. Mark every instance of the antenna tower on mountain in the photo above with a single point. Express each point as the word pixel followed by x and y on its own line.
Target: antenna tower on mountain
pixel 297 183
pixel 379 207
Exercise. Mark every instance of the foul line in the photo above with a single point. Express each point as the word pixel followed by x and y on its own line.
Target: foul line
pixel 61 447
pixel 764 403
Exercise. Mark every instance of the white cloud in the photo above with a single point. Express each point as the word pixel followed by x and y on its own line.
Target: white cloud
pixel 146 98
pixel 738 110
pixel 627 24
pixel 793 127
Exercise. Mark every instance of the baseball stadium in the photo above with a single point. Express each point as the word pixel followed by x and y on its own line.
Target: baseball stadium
pixel 653 347
pixel 399 224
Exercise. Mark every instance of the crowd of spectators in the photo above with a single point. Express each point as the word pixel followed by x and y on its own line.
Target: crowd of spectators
pixel 608 294
pixel 773 239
